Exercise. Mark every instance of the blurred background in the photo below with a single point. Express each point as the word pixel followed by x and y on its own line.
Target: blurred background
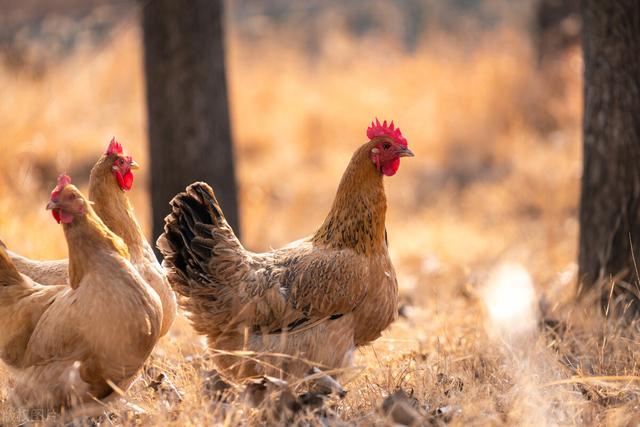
pixel 487 92
pixel 489 95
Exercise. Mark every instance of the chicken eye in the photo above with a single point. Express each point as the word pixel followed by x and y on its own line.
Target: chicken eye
pixel 386 146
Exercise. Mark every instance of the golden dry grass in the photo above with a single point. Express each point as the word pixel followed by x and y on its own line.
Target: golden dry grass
pixel 494 182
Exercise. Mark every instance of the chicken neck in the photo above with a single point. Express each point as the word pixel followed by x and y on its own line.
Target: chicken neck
pixel 88 239
pixel 114 208
pixel 357 216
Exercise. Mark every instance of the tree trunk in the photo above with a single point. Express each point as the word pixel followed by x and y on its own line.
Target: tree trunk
pixel 610 201
pixel 188 117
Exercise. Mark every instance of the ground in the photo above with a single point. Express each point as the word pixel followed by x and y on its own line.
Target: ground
pixel 482 222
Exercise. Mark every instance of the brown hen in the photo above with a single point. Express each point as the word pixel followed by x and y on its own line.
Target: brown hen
pixel 70 344
pixel 310 303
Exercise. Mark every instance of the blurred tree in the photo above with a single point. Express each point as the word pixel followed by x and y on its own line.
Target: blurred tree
pixel 188 117
pixel 610 201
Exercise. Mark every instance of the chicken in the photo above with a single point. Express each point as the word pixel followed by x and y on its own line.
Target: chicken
pixel 309 303
pixel 67 345
pixel 110 178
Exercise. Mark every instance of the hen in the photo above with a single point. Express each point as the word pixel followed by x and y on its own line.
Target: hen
pixel 309 303
pixel 110 178
pixel 70 344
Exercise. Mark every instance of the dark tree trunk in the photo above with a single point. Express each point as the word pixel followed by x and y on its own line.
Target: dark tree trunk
pixel 188 117
pixel 610 202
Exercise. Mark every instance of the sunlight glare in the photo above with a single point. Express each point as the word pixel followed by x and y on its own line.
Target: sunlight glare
pixel 510 299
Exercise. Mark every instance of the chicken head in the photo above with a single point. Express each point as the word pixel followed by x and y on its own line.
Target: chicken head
pixel 122 165
pixel 391 145
pixel 66 201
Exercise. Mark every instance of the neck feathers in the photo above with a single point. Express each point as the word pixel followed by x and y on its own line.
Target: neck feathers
pixel 89 241
pixel 114 207
pixel 357 217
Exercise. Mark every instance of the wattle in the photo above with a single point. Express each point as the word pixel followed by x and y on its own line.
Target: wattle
pixel 125 182
pixel 391 167
pixel 56 215
pixel 128 181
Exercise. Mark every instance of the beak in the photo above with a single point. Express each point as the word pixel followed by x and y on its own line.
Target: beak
pixel 405 152
pixel 52 205
pixel 134 165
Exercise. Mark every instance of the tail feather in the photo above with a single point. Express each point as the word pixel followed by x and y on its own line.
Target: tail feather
pixel 198 244
pixel 9 275
pixel 194 231
pixel 201 247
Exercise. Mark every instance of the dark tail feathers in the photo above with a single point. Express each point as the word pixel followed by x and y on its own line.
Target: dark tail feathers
pixel 192 230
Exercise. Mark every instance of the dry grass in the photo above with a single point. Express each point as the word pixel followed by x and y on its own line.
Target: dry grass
pixel 494 182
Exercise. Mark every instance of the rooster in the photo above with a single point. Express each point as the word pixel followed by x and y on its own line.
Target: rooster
pixel 110 178
pixel 70 344
pixel 310 303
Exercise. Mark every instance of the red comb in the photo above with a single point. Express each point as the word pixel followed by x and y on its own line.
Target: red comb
pixel 114 147
pixel 63 181
pixel 377 129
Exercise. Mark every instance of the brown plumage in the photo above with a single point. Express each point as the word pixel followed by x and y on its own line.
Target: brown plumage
pixel 45 272
pixel 314 300
pixel 67 344
pixel 113 207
